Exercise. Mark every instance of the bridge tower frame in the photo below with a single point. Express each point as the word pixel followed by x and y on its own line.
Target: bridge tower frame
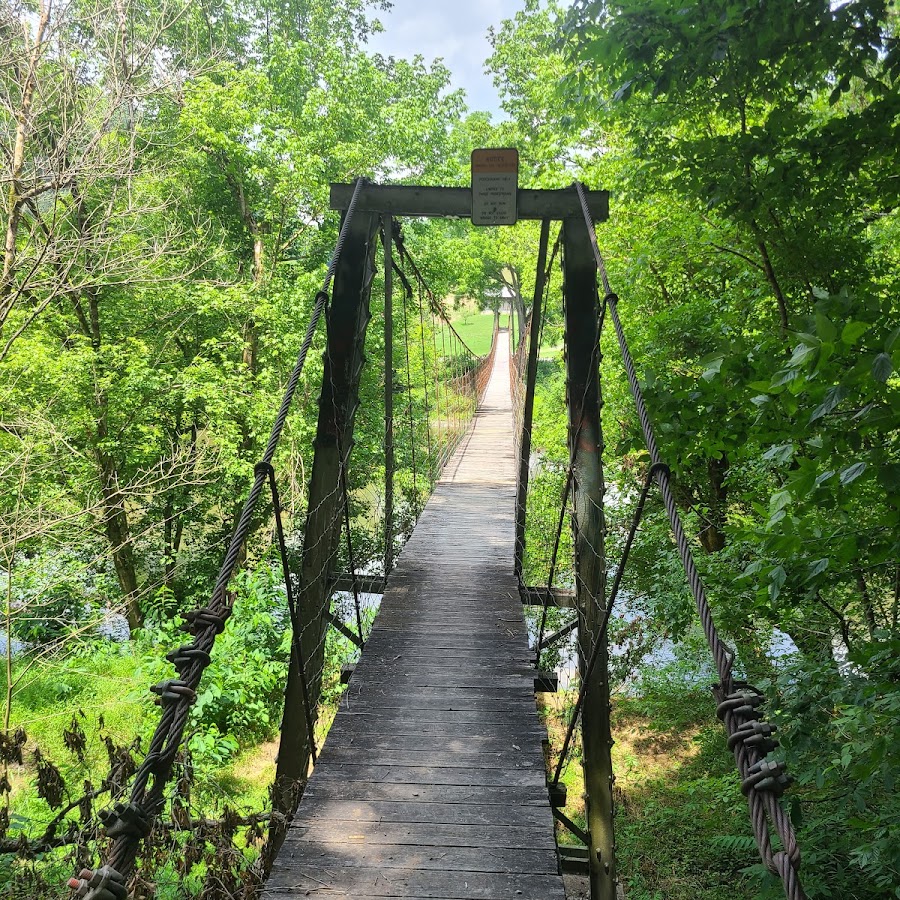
pixel 584 401
pixel 347 319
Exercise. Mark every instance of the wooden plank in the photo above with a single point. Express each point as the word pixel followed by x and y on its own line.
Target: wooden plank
pixel 480 761
pixel 446 859
pixel 413 812
pixel 413 200
pixel 375 882
pixel 488 836
pixel 413 694
pixel 532 595
pixel 448 720
pixel 450 677
pixel 493 795
pixel 370 771
pixel 358 726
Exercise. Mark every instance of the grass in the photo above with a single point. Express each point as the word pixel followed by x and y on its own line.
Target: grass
pixel 679 810
pixel 477 329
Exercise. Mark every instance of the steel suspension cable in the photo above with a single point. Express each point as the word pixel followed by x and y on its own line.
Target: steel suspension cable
pixel 748 737
pixel 447 414
pixel 424 373
pixel 350 560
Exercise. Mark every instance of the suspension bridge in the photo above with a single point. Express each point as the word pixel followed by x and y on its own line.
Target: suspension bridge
pixel 435 779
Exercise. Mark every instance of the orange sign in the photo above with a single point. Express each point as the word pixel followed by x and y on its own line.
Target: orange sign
pixel 495 186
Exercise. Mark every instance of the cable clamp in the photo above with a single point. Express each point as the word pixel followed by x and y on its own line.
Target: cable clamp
pixel 128 820
pixel 200 619
pixel 174 690
pixel 742 702
pixel 263 468
pixel 766 776
pixel 104 883
pixel 755 734
pixel 186 655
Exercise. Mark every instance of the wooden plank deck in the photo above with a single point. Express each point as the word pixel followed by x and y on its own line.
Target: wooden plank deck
pixel 431 781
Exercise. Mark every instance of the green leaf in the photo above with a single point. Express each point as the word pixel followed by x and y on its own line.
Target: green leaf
pixel 713 368
pixel 892 339
pixel 817 567
pixel 851 473
pixel 801 354
pixel 783 377
pixel 779 454
pixel 853 331
pixel 833 396
pixel 775 519
pixel 825 327
pixel 779 501
pixel 882 367
pixel 777 577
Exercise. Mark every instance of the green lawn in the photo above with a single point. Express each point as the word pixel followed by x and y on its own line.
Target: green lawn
pixel 477 330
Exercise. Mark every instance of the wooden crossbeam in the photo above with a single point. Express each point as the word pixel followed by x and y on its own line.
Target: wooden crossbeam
pixel 413 200
pixel 365 584
pixel 537 596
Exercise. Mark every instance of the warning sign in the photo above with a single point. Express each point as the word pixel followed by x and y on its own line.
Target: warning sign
pixel 495 185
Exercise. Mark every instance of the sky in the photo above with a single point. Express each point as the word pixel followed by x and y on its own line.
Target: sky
pixel 454 30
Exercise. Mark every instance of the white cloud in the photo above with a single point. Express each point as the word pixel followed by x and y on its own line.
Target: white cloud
pixel 454 30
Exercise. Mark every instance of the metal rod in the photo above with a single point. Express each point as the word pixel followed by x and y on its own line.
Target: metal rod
pixel 558 635
pixel 292 608
pixel 639 511
pixel 336 623
pixel 528 409
pixel 350 562
pixel 580 833
pixel 548 599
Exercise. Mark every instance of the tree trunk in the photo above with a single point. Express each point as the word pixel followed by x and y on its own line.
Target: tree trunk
pixel 115 526
pixel 712 534
pixel 115 514
pixel 16 200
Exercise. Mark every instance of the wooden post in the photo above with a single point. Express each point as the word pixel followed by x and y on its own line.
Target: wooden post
pixel 586 443
pixel 347 319
pixel 528 406
pixel 388 395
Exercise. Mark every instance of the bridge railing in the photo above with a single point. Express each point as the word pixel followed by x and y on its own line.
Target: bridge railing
pixel 763 778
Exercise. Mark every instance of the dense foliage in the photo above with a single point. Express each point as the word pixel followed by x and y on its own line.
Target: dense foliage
pixel 166 170
pixel 753 241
